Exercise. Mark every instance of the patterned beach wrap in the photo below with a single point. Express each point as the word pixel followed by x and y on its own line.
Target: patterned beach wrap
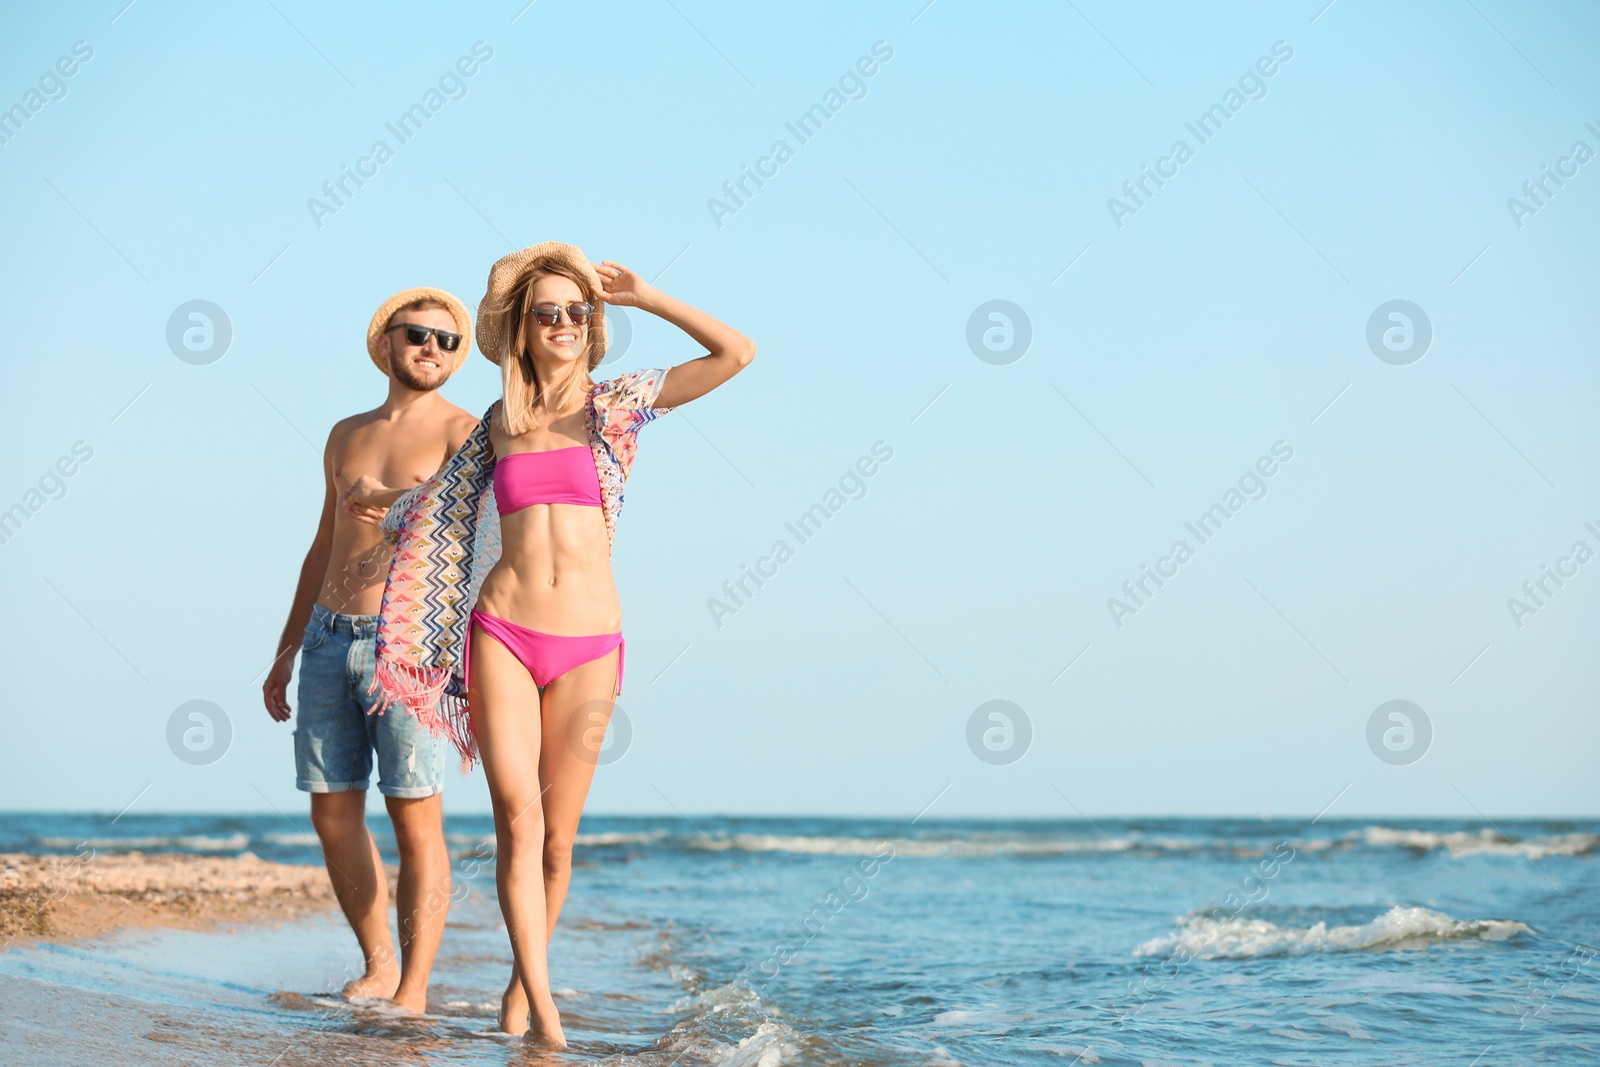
pixel 618 409
pixel 447 536
pixel 446 533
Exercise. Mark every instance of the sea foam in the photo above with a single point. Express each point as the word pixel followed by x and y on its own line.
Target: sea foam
pixel 1484 842
pixel 1203 937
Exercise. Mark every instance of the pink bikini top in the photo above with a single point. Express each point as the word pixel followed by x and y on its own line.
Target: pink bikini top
pixel 554 476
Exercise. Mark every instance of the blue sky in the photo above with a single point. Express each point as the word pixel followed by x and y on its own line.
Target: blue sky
pixel 1176 340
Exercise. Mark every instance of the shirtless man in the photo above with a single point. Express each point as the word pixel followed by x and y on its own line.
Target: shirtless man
pixel 419 337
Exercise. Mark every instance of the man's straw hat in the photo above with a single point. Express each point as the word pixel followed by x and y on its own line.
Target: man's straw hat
pixel 510 270
pixel 458 311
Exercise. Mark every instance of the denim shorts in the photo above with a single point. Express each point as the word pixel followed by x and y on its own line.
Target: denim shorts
pixel 334 737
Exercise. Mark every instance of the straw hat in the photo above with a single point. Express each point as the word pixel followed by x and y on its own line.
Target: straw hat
pixel 458 311
pixel 509 270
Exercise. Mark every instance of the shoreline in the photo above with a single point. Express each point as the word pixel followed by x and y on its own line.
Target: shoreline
pixel 79 896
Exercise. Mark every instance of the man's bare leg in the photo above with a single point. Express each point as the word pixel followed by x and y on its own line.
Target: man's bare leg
pixel 422 896
pixel 362 889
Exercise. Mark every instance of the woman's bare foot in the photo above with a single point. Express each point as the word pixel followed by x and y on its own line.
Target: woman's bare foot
pixel 417 1003
pixel 381 982
pixel 513 1017
pixel 546 1029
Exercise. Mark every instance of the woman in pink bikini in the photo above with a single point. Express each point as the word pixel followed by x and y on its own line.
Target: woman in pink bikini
pixel 534 641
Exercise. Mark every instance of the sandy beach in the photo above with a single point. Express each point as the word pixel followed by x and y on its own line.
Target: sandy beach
pixel 88 894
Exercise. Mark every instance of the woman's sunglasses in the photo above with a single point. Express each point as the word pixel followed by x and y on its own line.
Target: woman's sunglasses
pixel 418 335
pixel 578 313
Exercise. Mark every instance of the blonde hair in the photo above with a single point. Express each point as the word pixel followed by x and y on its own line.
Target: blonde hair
pixel 519 386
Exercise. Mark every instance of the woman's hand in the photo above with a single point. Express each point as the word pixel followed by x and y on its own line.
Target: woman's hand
pixel 619 285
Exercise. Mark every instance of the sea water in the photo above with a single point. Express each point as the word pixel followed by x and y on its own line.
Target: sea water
pixel 766 941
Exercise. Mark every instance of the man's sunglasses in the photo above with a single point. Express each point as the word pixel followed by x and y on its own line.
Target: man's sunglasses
pixel 418 335
pixel 578 313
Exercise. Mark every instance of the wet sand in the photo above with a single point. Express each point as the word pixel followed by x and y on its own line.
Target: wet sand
pixel 89 894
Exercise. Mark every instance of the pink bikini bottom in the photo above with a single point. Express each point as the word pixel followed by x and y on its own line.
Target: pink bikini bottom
pixel 547 656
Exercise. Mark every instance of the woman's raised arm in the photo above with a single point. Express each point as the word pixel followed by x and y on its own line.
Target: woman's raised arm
pixel 727 350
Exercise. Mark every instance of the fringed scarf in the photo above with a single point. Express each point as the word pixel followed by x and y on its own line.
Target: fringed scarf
pixel 446 534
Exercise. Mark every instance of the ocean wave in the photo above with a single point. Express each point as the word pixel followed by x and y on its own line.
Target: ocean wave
pixel 948 843
pixel 1203 937
pixel 176 843
pixel 729 1025
pixel 620 838
pixel 1460 843
pixel 772 1044
pixel 484 844
pixel 957 847
pixel 1484 842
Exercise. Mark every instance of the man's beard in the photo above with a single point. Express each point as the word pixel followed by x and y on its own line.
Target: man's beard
pixel 406 376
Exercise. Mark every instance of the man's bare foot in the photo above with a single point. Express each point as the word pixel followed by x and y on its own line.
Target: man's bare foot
pixel 381 983
pixel 513 1017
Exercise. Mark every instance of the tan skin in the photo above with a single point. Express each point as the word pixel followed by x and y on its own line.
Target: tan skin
pixel 402 442
pixel 554 575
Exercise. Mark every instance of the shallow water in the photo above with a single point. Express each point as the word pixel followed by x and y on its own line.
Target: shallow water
pixel 835 941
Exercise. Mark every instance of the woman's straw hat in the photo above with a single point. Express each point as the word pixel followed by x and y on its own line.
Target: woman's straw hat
pixel 458 311
pixel 510 270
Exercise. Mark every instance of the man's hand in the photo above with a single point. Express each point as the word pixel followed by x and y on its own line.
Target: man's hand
pixel 276 688
pixel 365 512
pixel 358 499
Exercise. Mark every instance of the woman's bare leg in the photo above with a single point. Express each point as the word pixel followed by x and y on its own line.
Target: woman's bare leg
pixel 577 710
pixel 567 758
pixel 505 716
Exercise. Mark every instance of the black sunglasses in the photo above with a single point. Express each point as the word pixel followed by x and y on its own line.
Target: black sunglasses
pixel 549 314
pixel 418 335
